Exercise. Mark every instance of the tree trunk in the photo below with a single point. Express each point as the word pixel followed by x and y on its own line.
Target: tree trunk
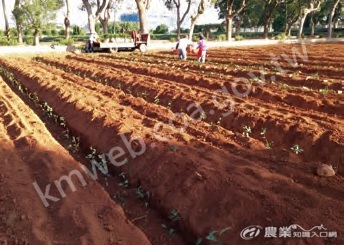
pixel 311 7
pixel 289 31
pixel 285 17
pixel 93 18
pixel 36 37
pixel 7 27
pixel 105 21
pixel 105 25
pixel 142 9
pixel 266 30
pixel 333 9
pixel 268 10
pixel 20 34
pixel 192 28
pixel 302 22
pixel 229 22
pixel 200 11
pixel 178 30
pixel 91 23
pixel 178 23
pixel 66 21
pixel 267 19
pixel 18 21
pixel 237 27
pixel 287 28
pixel 312 25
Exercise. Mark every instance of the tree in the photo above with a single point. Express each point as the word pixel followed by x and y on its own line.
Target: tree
pixel 161 29
pixel 287 15
pixel 269 9
pixel 66 20
pixel 230 9
pixel 36 13
pixel 176 4
pixel 195 16
pixel 292 14
pixel 320 16
pixel 309 7
pixel 338 14
pixel 92 18
pixel 104 20
pixel 200 8
pixel 7 27
pixel 142 7
pixel 330 18
pixel 253 13
pixel 19 19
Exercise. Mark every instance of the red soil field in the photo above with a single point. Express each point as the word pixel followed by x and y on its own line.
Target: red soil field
pixel 29 153
pixel 228 161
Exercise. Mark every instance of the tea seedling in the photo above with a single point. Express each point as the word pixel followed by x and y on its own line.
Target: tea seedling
pixel 56 118
pixel 267 143
pixel 62 122
pixel 282 87
pixel 174 148
pixel 325 91
pixel 119 196
pixel 47 109
pixel 315 75
pixel 156 100
pixel 93 153
pixel 296 149
pixel 66 133
pixel 169 104
pixel 212 236
pixel 144 94
pixel 125 182
pixel 174 216
pixel 294 74
pixel 75 144
pixel 203 116
pixel 170 230
pixel 247 131
pixel 143 195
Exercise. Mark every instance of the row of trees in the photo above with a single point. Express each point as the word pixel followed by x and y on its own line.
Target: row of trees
pixel 283 14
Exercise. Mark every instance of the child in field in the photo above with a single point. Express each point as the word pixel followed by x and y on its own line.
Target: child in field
pixel 202 48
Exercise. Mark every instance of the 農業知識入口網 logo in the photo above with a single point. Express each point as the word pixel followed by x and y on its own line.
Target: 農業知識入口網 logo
pixel 294 230
pixel 250 232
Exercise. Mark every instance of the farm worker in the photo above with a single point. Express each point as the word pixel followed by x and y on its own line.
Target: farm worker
pixel 202 48
pixel 182 45
pixel 94 38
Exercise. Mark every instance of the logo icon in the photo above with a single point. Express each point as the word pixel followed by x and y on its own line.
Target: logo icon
pixel 250 232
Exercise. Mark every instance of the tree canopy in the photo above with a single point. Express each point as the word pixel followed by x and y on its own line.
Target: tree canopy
pixel 268 15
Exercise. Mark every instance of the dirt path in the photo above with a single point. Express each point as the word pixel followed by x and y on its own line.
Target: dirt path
pixel 29 154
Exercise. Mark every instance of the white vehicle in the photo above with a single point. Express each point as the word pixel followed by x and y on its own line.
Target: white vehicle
pixel 135 41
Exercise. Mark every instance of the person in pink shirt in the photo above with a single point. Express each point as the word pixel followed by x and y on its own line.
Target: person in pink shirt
pixel 202 48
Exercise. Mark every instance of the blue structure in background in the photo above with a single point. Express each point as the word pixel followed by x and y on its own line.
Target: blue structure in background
pixel 129 18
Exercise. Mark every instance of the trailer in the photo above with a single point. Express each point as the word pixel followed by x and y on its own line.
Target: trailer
pixel 133 41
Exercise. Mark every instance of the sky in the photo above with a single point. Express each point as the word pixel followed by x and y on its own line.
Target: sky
pixel 157 14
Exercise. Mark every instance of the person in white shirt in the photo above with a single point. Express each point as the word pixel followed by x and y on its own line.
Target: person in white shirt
pixel 182 45
pixel 93 38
